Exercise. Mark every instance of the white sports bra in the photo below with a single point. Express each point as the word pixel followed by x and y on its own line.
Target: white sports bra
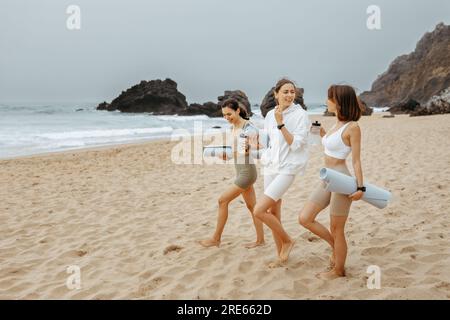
pixel 334 146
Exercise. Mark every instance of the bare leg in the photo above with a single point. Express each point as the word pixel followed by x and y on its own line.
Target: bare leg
pixel 337 226
pixel 250 200
pixel 274 224
pixel 230 194
pixel 307 218
pixel 275 210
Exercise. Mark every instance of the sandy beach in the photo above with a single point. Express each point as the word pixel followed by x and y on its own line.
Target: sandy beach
pixel 129 219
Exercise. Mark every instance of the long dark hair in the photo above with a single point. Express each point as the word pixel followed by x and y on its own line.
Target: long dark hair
pixel 233 104
pixel 348 106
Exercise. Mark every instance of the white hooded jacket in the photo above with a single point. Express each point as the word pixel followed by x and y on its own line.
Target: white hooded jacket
pixel 280 157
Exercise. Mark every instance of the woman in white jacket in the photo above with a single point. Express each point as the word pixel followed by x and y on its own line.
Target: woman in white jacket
pixel 287 127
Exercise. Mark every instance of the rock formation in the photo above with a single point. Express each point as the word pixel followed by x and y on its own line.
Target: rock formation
pixel 417 76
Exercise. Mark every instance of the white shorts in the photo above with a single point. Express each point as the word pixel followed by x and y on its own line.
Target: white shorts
pixel 276 185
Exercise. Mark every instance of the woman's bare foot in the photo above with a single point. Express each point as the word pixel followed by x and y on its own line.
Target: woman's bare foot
pixel 255 244
pixel 332 263
pixel 330 275
pixel 285 250
pixel 209 243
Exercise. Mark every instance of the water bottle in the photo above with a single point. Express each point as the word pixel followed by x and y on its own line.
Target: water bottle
pixel 242 143
pixel 314 137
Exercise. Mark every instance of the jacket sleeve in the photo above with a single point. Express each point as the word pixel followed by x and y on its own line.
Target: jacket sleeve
pixel 301 132
pixel 264 134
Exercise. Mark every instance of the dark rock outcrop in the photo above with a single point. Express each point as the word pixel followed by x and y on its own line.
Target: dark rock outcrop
pixel 210 109
pixel 238 95
pixel 269 102
pixel 163 98
pixel 438 104
pixel 367 111
pixel 155 96
pixel 405 108
pixel 417 76
pixel 104 106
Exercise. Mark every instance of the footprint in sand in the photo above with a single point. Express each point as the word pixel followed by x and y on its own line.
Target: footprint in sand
pixel 436 257
pixel 81 253
pixel 398 282
pixel 443 285
pixel 144 289
pixel 408 249
pixel 375 251
pixel 245 266
pixel 313 239
pixel 172 248
pixel 276 264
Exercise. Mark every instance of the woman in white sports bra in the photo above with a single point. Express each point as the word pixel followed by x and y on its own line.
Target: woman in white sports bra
pixel 344 138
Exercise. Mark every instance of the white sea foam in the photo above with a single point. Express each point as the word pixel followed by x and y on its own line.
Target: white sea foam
pixel 384 109
pixel 103 133
pixel 27 129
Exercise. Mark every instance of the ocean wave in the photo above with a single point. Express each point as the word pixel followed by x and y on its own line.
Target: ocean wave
pixel 103 133
pixel 182 118
pixel 384 109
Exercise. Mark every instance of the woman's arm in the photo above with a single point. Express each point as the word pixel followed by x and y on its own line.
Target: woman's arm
pixel 299 135
pixel 355 143
pixel 287 136
pixel 259 139
pixel 322 132
pixel 254 141
pixel 278 114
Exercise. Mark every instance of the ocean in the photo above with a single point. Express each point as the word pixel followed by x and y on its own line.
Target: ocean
pixel 28 130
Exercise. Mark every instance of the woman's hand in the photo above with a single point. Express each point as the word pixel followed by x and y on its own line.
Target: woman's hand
pixel 278 115
pixel 356 196
pixel 247 146
pixel 322 132
pixel 253 142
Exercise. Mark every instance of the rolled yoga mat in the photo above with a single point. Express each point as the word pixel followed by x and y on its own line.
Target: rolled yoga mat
pixel 336 181
pixel 216 151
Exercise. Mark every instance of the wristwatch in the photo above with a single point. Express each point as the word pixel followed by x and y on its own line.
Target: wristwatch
pixel 280 126
pixel 363 189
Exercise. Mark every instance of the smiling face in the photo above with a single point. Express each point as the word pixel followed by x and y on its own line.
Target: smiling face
pixel 286 95
pixel 230 115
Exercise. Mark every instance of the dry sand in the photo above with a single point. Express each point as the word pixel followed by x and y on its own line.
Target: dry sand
pixel 129 219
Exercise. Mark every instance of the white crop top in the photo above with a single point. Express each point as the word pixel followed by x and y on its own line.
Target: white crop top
pixel 334 146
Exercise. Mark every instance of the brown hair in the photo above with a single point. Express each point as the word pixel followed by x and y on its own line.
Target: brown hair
pixel 348 106
pixel 282 82
pixel 233 104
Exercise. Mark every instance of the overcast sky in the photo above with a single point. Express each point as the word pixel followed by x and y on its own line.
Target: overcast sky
pixel 206 46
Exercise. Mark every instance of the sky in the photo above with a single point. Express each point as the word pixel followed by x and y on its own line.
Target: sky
pixel 206 46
